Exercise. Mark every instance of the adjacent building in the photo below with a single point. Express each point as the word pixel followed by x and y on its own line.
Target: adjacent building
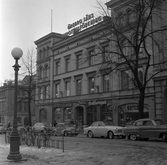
pixel 7 103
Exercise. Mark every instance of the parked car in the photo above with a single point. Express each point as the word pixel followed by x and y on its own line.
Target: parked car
pixel 99 129
pixel 65 129
pixel 147 128
pixel 2 128
pixel 41 127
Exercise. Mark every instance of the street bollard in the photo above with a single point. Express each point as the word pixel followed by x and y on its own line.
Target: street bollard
pixel 39 141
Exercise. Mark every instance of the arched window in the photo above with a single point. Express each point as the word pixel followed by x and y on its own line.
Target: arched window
pixel 67 114
pixel 43 115
pixel 57 115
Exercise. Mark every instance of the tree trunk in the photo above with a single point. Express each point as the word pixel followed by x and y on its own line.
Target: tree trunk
pixel 141 103
pixel 29 109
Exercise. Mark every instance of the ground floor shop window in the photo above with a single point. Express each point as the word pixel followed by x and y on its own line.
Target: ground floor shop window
pixel 106 113
pixel 128 113
pixel 67 114
pixel 91 114
pixel 43 115
pixel 57 115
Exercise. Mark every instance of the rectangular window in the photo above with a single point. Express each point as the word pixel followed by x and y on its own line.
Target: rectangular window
pixel 57 90
pixel 105 52
pixel 91 57
pixel 47 92
pixel 91 84
pixel 25 106
pixel 41 93
pixel 78 61
pixel 106 83
pixel 78 87
pixel 67 64
pixel 57 67
pixel 19 106
pixel 67 88
pixel 124 80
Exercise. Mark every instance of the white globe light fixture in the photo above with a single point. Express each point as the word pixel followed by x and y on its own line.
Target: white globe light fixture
pixel 17 53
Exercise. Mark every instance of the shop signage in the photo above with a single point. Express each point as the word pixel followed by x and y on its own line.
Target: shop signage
pixel 87 21
pixel 95 102
pixel 133 107
pixel 63 105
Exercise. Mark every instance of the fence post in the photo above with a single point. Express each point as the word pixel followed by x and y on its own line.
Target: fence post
pixel 39 141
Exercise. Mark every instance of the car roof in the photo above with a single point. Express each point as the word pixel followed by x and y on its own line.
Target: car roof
pixel 147 119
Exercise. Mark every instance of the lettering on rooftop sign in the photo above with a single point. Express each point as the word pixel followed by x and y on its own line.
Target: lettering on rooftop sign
pixel 87 21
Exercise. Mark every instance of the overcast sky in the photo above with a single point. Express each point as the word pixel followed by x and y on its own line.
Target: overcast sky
pixel 24 21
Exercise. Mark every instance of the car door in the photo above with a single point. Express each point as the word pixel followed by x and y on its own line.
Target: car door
pixel 135 129
pixel 101 131
pixel 148 129
pixel 94 128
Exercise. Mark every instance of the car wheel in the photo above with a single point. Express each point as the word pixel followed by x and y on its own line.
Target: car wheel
pixel 133 137
pixel 65 133
pixel 90 134
pixel 110 135
pixel 164 137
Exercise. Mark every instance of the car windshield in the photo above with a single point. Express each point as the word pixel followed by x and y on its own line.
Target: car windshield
pixel 159 122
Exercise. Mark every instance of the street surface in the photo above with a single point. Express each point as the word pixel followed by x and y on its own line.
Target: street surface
pixel 81 150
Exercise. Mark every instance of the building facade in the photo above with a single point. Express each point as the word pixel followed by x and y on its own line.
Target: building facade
pixel 74 83
pixel 7 104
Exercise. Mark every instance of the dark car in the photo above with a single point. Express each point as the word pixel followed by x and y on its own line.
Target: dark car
pixel 146 128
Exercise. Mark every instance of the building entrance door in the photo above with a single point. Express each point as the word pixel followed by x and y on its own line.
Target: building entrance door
pixel 79 114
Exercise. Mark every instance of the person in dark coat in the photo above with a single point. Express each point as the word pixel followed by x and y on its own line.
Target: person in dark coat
pixel 55 123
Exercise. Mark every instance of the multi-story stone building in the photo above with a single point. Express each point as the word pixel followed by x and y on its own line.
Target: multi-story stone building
pixel 74 84
pixel 7 104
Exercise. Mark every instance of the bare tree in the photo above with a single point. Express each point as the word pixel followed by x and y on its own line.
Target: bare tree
pixel 28 84
pixel 136 42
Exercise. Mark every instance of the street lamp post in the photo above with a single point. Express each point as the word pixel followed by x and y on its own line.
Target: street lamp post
pixel 14 138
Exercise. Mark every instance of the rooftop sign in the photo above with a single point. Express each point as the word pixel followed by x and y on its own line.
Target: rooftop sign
pixel 87 21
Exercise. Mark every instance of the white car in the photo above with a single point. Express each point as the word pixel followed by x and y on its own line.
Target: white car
pixel 40 127
pixel 99 129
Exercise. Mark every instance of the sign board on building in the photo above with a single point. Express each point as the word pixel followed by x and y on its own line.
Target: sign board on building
pixel 81 24
pixel 95 102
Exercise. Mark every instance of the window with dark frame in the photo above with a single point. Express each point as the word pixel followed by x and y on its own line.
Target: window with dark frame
pixel 124 80
pixel 91 85
pixel 78 87
pixel 106 82
pixel 57 90
pixel 67 64
pixel 92 57
pixel 57 67
pixel 67 88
